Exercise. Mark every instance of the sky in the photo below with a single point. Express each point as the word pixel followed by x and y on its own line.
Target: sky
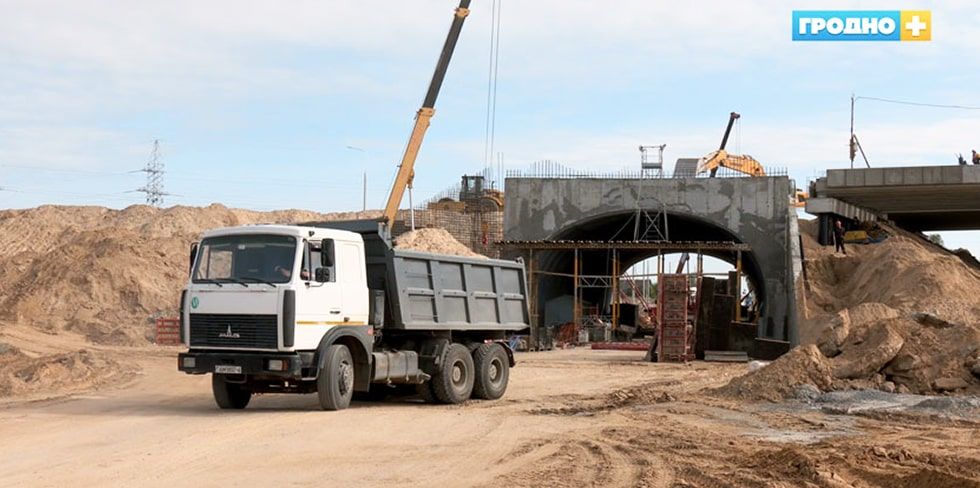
pixel 288 104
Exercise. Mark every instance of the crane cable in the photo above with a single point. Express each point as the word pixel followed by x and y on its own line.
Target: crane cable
pixel 492 70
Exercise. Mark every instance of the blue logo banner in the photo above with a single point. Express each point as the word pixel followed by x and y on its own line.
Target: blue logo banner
pixel 847 25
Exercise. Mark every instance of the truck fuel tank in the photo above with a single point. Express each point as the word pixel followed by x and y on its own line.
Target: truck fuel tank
pixel 397 367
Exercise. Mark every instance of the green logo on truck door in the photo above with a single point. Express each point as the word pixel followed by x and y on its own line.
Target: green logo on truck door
pixel 195 302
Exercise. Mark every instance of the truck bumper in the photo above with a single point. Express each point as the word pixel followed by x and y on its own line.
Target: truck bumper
pixel 287 365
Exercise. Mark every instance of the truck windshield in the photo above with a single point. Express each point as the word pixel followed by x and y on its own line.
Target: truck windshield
pixel 246 258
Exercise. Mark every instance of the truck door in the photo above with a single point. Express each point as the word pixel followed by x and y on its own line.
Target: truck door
pixel 319 305
pixel 353 276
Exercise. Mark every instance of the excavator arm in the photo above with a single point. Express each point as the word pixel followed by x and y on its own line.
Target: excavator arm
pixel 406 170
pixel 722 159
pixel 742 163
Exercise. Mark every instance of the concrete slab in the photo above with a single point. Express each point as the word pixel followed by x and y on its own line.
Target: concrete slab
pixel 919 198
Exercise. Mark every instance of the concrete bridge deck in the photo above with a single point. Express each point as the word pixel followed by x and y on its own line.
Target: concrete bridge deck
pixel 917 198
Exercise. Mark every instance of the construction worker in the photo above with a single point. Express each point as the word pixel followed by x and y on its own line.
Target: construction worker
pixel 976 157
pixel 839 237
pixel 961 160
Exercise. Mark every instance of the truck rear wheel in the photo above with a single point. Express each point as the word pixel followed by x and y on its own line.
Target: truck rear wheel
pixel 335 380
pixel 229 395
pixel 454 381
pixel 492 371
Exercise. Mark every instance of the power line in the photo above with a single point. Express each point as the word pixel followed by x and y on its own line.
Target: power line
pixel 918 104
pixel 176 175
pixel 65 170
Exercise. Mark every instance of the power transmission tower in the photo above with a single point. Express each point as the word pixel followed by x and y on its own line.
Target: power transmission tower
pixel 154 178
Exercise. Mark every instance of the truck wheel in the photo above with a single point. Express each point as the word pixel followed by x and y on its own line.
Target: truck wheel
pixel 229 395
pixel 335 381
pixel 454 381
pixel 492 371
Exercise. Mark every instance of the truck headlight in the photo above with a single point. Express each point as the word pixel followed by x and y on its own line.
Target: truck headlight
pixel 189 362
pixel 277 365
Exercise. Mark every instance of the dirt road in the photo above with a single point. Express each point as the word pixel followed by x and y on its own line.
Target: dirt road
pixel 570 418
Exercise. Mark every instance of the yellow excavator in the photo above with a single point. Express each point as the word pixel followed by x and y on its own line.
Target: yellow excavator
pixel 743 163
pixel 722 159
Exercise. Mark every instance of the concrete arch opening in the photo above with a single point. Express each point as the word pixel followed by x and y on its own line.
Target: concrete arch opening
pixel 555 281
pixel 644 274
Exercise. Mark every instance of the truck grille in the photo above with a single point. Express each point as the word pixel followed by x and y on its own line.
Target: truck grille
pixel 234 330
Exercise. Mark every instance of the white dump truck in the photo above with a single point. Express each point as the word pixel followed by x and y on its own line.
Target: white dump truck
pixel 334 309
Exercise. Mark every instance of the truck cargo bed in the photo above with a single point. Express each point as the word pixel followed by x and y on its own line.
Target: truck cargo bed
pixel 426 291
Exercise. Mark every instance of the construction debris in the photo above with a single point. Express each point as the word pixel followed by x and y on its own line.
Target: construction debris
pixel 21 374
pixel 621 346
pixel 726 356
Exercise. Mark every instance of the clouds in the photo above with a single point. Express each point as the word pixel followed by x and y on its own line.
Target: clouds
pixel 68 147
pixel 236 85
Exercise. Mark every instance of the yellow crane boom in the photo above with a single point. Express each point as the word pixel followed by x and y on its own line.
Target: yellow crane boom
pixel 406 170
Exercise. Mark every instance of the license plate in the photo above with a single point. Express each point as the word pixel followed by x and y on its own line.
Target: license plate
pixel 227 369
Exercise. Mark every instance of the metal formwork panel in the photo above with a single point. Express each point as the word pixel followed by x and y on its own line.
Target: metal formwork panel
pixel 674 334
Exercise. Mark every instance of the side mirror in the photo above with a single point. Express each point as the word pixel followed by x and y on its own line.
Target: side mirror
pixel 326 253
pixel 193 256
pixel 324 275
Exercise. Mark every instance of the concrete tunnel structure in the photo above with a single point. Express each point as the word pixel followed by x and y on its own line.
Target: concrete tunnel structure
pixel 748 210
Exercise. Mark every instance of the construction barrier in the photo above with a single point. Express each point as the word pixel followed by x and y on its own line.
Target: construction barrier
pixel 167 331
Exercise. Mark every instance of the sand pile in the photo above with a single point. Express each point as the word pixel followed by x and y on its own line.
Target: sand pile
pixel 901 315
pixel 890 352
pixel 74 371
pixel 804 365
pixel 902 272
pixel 434 240
pixel 103 273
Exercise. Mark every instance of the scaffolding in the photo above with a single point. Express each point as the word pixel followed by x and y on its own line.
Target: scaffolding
pixel 654 165
pixel 473 216
pixel 531 252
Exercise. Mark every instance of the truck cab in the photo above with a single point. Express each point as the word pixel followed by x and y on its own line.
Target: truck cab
pixel 261 298
pixel 288 285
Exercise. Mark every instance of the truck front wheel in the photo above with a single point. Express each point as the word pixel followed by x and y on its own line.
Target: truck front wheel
pixel 229 395
pixel 335 380
pixel 492 371
pixel 454 381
